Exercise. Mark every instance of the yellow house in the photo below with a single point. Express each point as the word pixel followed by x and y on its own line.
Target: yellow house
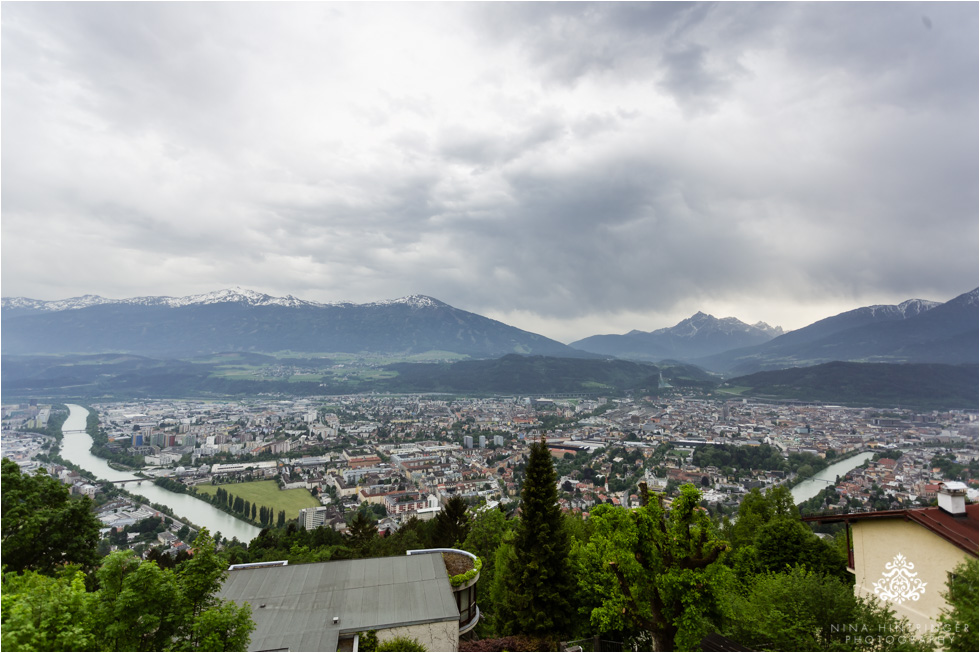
pixel 904 557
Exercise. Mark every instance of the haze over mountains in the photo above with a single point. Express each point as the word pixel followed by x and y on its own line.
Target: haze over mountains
pixel 242 320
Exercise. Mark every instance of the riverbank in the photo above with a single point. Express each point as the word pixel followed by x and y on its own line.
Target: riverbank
pixel 76 449
pixel 812 486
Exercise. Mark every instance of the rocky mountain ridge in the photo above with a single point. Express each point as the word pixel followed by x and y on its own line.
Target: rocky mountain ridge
pixel 699 335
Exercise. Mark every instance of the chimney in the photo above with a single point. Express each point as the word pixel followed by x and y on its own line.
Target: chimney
pixel 952 497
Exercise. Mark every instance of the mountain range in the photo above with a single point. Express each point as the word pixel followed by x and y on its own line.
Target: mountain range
pixel 243 320
pixel 915 331
pixel 246 321
pixel 698 336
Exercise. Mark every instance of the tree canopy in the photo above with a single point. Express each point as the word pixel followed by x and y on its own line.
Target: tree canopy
pixel 800 610
pixel 654 571
pixel 43 527
pixel 138 606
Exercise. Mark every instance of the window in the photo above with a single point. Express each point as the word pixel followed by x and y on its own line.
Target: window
pixel 466 602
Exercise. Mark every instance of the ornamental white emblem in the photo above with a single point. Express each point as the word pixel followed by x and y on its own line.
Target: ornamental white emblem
pixel 899 583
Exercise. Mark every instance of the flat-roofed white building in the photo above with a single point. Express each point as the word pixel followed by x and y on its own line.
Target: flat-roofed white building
pixel 323 606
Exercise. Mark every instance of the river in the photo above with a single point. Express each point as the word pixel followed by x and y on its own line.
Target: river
pixel 75 448
pixel 813 485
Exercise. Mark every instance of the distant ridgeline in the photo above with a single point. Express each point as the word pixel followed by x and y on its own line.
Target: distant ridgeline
pixel 219 345
pixel 922 386
pixel 230 321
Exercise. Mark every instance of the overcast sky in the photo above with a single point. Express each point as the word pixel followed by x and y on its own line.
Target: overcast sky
pixel 570 169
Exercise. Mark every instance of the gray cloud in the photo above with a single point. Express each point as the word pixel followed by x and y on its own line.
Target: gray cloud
pixel 575 165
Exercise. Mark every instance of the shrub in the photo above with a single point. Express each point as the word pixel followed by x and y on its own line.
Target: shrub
pixel 510 643
pixel 467 576
pixel 401 644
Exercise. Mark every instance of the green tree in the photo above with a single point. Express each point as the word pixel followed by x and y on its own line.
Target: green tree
pixel 758 509
pixel 145 608
pixel 785 541
pixel 362 532
pixel 138 607
pixel 486 534
pixel 42 527
pixel 960 619
pixel 654 572
pixel 452 523
pixel 40 613
pixel 769 536
pixel 799 610
pixel 539 580
pixel 201 576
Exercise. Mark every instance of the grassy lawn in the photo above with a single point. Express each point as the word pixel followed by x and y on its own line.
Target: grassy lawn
pixel 733 390
pixel 268 494
pixel 295 378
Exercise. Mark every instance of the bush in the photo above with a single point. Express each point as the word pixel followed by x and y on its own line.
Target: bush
pixel 401 644
pixel 368 641
pixel 466 576
pixel 510 643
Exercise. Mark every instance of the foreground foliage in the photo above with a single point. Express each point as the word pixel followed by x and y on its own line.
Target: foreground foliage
pixel 961 619
pixel 800 610
pixel 137 606
pixel 654 571
pixel 43 527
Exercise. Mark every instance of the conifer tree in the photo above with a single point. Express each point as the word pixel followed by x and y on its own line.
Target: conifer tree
pixel 362 532
pixel 539 582
pixel 452 523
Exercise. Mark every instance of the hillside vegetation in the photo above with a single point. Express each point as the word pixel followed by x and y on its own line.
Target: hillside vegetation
pixel 923 386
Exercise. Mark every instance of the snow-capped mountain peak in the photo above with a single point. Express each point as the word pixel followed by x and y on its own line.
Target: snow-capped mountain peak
pixel 236 295
pixel 766 328
pixel 28 304
pixel 912 307
pixel 413 301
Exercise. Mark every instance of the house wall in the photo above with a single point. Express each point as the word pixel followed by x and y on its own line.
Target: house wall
pixel 931 558
pixel 439 636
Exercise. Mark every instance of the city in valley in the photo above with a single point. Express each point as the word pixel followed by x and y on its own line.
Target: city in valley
pixel 406 456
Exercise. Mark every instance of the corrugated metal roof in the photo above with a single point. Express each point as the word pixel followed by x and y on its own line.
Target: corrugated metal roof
pixel 294 606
